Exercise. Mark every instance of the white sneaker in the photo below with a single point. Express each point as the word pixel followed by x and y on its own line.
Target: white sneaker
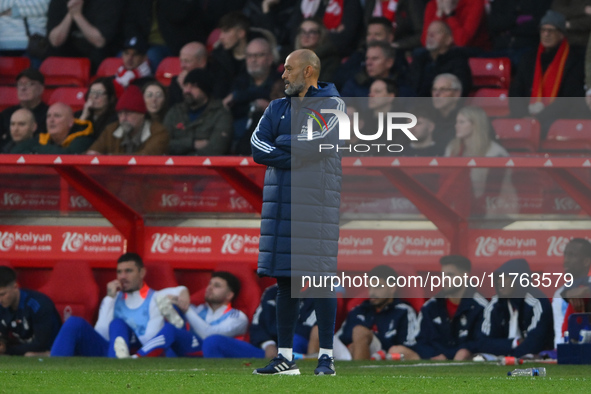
pixel 167 309
pixel 121 348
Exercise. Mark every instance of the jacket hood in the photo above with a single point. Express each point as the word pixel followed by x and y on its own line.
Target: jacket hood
pixel 520 266
pixel 325 89
pixel 510 269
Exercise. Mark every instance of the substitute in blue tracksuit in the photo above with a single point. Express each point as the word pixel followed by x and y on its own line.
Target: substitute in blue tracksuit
pixel 518 320
pixel 380 322
pixel 301 200
pixel 263 332
pixel 29 321
pixel 449 324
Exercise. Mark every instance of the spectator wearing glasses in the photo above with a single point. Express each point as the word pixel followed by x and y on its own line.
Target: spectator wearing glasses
pixel 313 35
pixel 446 99
pixel 99 107
pixel 554 70
pixel 30 88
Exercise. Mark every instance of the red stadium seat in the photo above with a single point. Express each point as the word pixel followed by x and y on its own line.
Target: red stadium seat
pixel 8 97
pixel 65 71
pixel 109 67
pixel 160 276
pixel 491 72
pixel 10 67
pixel 72 288
pixel 168 68
pixel 250 293
pixel 73 96
pixel 569 135
pixel 494 102
pixel 213 37
pixel 518 134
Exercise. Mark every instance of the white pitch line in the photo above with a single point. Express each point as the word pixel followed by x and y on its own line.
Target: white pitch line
pixel 422 365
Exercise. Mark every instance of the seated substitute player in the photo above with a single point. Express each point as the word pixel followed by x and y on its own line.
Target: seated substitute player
pixel 518 320
pixel 214 317
pixel 449 324
pixel 379 323
pixel 130 310
pixel 263 332
pixel 29 321
pixel 577 262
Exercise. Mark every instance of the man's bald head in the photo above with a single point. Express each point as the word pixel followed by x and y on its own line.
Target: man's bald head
pixel 22 125
pixel 60 119
pixel 193 55
pixel 302 69
pixel 306 58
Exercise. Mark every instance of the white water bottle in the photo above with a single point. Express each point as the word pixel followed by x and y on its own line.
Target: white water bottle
pixel 528 372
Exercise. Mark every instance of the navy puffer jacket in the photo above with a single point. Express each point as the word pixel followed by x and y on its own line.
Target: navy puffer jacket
pixel 302 191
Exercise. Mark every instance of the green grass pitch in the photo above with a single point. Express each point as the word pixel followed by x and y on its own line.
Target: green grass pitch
pixel 160 375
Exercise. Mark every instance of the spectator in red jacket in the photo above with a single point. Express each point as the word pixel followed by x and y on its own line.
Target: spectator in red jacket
pixel 464 17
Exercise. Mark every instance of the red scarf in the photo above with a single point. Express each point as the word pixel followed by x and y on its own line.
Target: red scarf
pixel 545 87
pixel 333 14
pixel 386 8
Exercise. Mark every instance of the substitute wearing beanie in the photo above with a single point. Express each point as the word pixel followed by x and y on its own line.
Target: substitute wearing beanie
pixel 199 125
pixel 133 134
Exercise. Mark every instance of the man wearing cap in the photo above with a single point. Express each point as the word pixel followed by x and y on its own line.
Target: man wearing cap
pixel 135 64
pixel 555 70
pixel 65 134
pixel 29 84
pixel 200 125
pixel 133 133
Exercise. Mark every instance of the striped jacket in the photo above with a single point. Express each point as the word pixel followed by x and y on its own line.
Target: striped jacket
pixel 527 315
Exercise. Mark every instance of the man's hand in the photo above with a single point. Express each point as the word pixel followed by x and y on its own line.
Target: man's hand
pixel 536 108
pixel 183 301
pixel 578 298
pixel 75 7
pixel 445 7
pixel 227 101
pixel 261 104
pixel 37 354
pixel 113 287
pixel 267 4
pixel 181 78
pixel 200 144
pixel 441 357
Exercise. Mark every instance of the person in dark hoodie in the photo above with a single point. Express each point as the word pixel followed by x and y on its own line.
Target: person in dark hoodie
pixel 518 319
pixel 305 181
pixel 449 322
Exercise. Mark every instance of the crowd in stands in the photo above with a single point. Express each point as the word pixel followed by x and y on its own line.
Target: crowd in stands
pixel 228 66
pixel 382 322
